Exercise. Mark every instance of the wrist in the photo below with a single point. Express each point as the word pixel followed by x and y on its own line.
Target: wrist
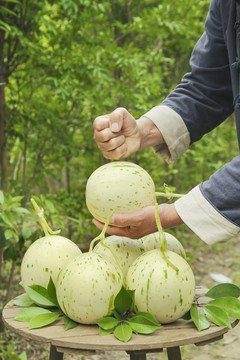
pixel 169 216
pixel 149 133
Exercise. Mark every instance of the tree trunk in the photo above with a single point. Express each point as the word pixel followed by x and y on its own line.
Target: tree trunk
pixel 3 138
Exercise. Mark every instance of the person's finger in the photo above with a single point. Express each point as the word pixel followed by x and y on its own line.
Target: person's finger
pixel 124 220
pixel 112 144
pixel 116 119
pixel 116 154
pixel 101 122
pixel 112 230
pixel 104 135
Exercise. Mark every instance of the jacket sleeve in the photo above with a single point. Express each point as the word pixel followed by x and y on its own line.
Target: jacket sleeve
pixel 201 102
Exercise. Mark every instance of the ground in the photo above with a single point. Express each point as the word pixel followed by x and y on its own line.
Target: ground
pixel 223 258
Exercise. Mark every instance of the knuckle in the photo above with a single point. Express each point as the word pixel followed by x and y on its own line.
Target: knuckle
pixel 96 122
pixel 101 122
pixel 120 111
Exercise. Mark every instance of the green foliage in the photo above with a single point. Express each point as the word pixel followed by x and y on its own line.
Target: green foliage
pixel 124 321
pixel 9 354
pixel 225 305
pixel 222 290
pixel 70 61
pixel 15 226
pixel 34 305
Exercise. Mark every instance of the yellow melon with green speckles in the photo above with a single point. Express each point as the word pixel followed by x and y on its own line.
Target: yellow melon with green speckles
pixel 87 286
pixel 160 289
pixel 127 250
pixel 118 187
pixel 46 257
pixel 152 241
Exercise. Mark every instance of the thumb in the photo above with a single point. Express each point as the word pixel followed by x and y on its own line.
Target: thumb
pixel 116 119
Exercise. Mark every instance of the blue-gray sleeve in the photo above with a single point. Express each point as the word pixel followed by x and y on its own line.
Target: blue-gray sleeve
pixel 222 190
pixel 204 99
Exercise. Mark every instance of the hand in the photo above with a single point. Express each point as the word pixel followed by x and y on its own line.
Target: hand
pixel 118 134
pixel 142 222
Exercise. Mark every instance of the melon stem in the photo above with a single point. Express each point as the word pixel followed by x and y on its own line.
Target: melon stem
pixel 168 195
pixel 116 259
pixel 40 213
pixel 162 238
pixel 101 236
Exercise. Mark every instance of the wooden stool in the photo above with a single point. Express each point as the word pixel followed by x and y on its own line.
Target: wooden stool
pixel 86 339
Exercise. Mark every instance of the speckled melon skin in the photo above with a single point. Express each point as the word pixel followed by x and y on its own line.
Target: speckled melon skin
pixel 46 257
pixel 127 250
pixel 87 286
pixel 152 241
pixel 121 187
pixel 159 289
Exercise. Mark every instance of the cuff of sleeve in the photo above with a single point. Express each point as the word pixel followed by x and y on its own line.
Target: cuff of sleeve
pixel 174 132
pixel 203 219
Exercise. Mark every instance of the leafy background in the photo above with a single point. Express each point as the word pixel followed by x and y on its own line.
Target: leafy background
pixel 62 63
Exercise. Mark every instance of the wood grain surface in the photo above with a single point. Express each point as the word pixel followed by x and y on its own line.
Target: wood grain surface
pixel 86 337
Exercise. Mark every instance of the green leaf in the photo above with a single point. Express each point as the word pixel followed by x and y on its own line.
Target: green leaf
pixel 52 292
pixel 7 217
pixel 223 290
pixel 8 11
pixel 148 317
pixel 28 313
pixel 9 233
pixel 26 232
pixel 186 316
pixel 23 356
pixel 143 323
pixel 123 332
pixel 200 320
pixel 10 252
pixel 4 27
pixel 21 210
pixel 1 197
pixel 69 323
pixel 17 199
pixel 24 301
pixel 105 332
pixel 40 295
pixel 42 320
pixel 108 322
pixel 116 314
pixel 124 301
pixel 50 206
pixel 230 305
pixel 217 315
pixel 13 1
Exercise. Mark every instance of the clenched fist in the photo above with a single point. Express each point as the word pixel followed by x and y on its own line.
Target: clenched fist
pixel 117 134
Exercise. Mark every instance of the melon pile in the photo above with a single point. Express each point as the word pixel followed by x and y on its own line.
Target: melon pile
pixel 87 283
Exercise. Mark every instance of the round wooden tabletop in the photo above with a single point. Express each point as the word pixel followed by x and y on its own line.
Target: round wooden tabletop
pixel 86 337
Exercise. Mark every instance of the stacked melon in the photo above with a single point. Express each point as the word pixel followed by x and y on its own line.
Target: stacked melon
pixel 87 283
